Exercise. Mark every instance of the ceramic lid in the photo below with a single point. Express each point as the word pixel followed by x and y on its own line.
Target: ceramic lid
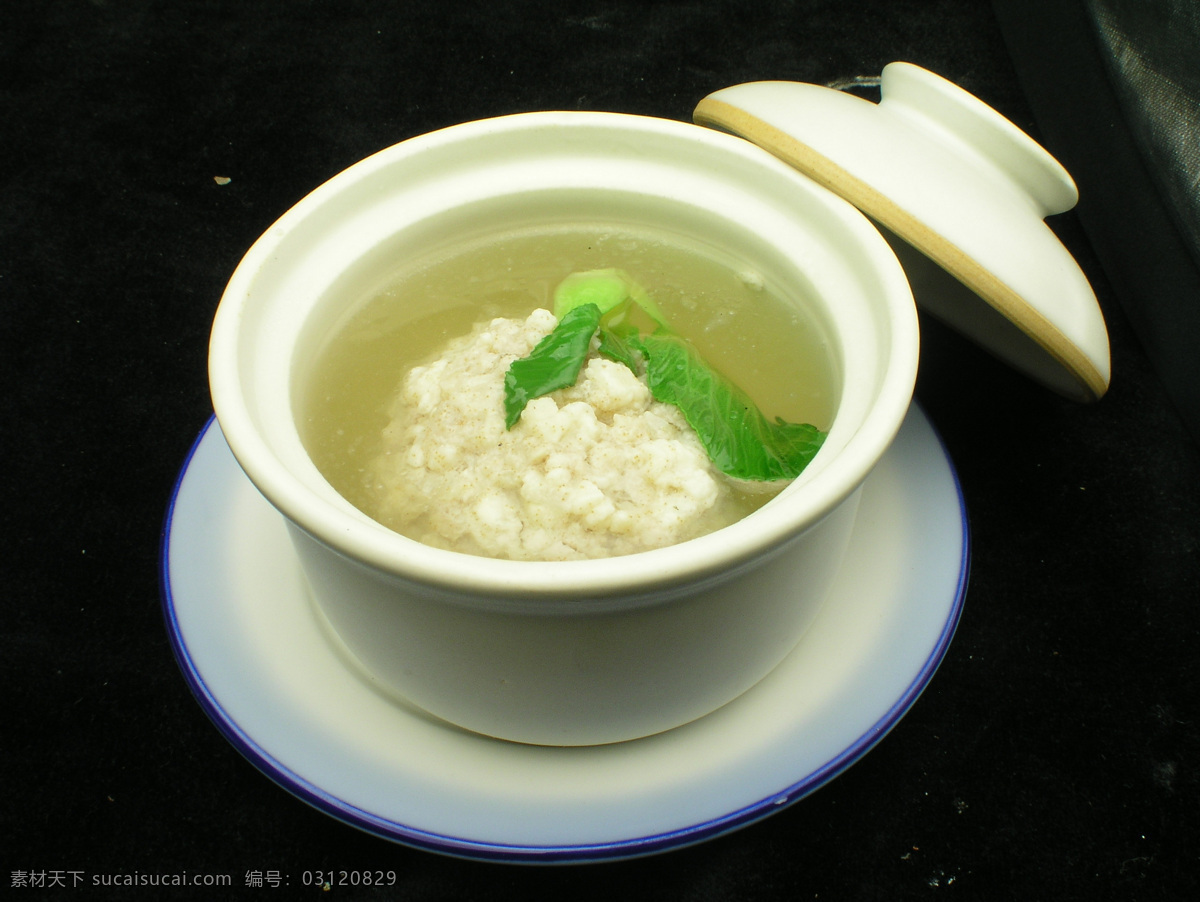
pixel 960 193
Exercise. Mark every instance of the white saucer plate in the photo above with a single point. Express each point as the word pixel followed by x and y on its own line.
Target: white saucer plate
pixel 265 667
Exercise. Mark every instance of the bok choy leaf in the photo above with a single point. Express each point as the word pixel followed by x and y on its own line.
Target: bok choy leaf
pixel 740 441
pixel 554 362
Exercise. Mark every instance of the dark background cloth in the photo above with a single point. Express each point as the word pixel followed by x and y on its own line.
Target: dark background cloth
pixel 1115 86
pixel 1056 754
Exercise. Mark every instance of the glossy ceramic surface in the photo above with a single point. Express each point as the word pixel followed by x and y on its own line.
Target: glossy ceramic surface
pixel 576 652
pixel 281 687
pixel 961 193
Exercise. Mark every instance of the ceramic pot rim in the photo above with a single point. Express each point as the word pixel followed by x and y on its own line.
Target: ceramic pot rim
pixel 716 556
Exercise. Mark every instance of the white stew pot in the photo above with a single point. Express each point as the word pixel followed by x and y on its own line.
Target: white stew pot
pixel 580 652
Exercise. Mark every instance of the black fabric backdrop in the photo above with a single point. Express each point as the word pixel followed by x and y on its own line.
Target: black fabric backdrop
pixel 1055 754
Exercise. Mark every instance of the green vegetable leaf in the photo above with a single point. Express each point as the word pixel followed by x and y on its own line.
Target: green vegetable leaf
pixel 606 288
pixel 740 441
pixel 619 343
pixel 554 362
pixel 603 287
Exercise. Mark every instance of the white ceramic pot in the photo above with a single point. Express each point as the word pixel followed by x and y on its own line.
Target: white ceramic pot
pixel 579 652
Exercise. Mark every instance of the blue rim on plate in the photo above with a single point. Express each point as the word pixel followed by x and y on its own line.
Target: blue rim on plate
pixel 446 842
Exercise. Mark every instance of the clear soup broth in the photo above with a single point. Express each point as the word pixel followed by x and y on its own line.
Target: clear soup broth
pixel 762 342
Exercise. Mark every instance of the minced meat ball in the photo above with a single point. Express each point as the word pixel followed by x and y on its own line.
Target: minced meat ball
pixel 595 470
